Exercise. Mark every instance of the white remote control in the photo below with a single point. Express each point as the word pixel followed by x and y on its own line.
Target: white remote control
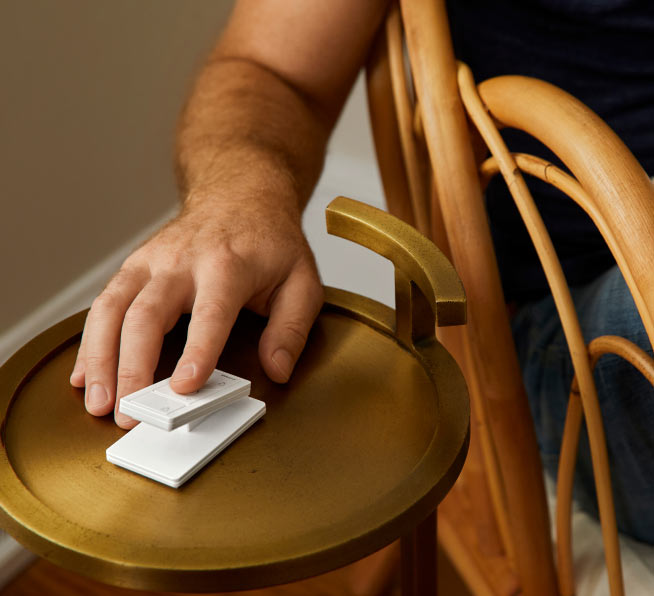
pixel 180 434
pixel 160 406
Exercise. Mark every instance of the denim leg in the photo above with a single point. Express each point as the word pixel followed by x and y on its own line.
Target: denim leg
pixel 626 399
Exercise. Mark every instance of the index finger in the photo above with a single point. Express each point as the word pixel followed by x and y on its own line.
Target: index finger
pixel 217 304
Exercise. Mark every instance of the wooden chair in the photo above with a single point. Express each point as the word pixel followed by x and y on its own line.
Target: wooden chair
pixel 433 128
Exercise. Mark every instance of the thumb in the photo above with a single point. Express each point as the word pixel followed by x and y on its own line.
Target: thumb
pixel 292 312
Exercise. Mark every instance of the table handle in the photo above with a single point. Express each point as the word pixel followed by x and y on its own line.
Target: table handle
pixel 428 291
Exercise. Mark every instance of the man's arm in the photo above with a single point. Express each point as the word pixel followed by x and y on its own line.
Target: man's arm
pixel 251 146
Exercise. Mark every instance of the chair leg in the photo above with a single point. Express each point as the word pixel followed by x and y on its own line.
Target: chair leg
pixel 419 559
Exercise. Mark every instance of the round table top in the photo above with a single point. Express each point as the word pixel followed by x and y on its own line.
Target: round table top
pixel 359 446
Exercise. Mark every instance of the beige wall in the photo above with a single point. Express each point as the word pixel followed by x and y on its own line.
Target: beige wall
pixel 89 94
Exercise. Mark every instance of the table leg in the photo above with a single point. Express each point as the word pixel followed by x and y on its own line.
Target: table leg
pixel 419 559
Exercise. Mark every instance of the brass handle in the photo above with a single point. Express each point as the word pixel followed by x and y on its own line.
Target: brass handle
pixel 428 291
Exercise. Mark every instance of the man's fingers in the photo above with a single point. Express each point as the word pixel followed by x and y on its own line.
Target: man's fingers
pixel 77 377
pixel 152 313
pixel 101 337
pixel 292 313
pixel 217 304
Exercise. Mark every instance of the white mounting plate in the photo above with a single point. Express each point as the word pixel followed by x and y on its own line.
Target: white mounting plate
pixel 172 457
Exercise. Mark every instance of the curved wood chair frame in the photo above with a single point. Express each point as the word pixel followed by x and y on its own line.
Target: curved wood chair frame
pixel 432 130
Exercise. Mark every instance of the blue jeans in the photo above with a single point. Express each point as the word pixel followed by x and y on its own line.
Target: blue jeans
pixel 626 399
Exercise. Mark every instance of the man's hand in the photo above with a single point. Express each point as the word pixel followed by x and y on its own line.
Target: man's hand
pixel 209 261
pixel 250 149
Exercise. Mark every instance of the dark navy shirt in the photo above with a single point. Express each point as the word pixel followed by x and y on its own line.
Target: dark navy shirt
pixel 600 51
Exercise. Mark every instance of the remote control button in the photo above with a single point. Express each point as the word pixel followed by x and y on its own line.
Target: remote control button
pixel 158 403
pixel 217 383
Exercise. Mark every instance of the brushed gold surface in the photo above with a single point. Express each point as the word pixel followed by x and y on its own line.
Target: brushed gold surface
pixel 416 257
pixel 358 447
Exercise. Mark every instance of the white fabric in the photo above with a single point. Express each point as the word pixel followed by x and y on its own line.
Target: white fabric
pixel 588 552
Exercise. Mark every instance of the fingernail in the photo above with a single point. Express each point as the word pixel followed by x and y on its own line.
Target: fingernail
pixel 96 396
pixel 185 372
pixel 284 362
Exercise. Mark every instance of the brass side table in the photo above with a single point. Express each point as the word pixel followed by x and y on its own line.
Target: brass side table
pixel 354 452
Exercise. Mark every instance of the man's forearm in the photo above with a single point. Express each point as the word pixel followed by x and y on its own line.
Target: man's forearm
pixel 246 131
pixel 251 146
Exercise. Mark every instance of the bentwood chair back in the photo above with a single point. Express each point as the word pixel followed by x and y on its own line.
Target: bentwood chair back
pixel 438 144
